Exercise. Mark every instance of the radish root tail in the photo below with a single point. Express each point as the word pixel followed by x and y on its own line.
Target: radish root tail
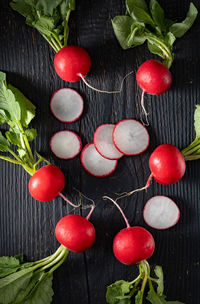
pixel 68 201
pixel 125 194
pixel 120 209
pixel 102 91
pixel 146 122
pixel 92 206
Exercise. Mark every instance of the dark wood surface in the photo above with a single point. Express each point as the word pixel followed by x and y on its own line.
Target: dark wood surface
pixel 27 226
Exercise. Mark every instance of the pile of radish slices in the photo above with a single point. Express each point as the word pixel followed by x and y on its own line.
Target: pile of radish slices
pixel 110 143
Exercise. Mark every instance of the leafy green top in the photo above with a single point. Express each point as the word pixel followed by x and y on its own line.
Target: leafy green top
pixel 49 17
pixel 17 112
pixel 142 23
pixel 122 292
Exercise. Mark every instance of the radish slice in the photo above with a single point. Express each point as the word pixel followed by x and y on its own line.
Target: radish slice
pixel 130 137
pixel 66 105
pixel 65 144
pixel 95 164
pixel 103 142
pixel 160 212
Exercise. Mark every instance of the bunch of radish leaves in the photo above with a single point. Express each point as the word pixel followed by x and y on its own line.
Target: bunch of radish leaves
pixel 16 111
pixel 123 292
pixel 142 23
pixel 49 17
pixel 29 282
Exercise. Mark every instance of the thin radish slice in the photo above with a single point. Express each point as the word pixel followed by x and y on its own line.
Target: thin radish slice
pixel 103 142
pixel 95 164
pixel 130 137
pixel 66 105
pixel 65 144
pixel 160 212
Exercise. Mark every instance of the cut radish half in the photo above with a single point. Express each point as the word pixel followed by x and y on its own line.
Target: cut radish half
pixel 95 164
pixel 103 142
pixel 130 137
pixel 65 144
pixel 160 212
pixel 66 105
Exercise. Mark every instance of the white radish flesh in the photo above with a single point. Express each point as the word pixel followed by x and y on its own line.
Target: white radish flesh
pixel 66 105
pixel 130 137
pixel 95 164
pixel 65 144
pixel 160 212
pixel 103 142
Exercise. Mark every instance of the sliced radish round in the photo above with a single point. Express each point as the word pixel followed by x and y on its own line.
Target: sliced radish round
pixel 160 212
pixel 103 142
pixel 65 144
pixel 95 164
pixel 66 105
pixel 130 137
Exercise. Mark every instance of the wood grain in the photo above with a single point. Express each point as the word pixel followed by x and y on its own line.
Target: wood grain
pixel 27 226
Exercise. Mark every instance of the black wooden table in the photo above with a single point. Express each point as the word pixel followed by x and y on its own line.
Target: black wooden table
pixel 27 226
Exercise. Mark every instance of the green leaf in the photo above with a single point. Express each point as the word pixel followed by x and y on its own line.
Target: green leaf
pixel 22 7
pixel 8 265
pixel 138 297
pixel 158 15
pixel 2 76
pixel 154 298
pixel 197 121
pixel 4 144
pixel 47 7
pixel 127 33
pixel 179 29
pixel 43 292
pixel 3 117
pixel 45 25
pixel 12 284
pixel 31 134
pixel 139 11
pixel 159 273
pixel 14 138
pixel 27 108
pixel 118 293
pixel 155 49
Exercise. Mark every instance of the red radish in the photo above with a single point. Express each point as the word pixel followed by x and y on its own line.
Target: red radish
pixel 66 105
pixel 132 245
pixel 103 142
pixel 154 78
pixel 47 183
pixel 95 164
pixel 75 232
pixel 130 137
pixel 167 167
pixel 160 212
pixel 65 144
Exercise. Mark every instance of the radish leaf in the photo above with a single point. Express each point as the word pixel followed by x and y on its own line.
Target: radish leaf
pixel 159 273
pixel 197 121
pixel 4 144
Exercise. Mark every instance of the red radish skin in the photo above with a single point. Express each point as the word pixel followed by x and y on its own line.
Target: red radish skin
pixel 101 158
pixel 56 105
pixel 75 232
pixel 154 77
pixel 46 183
pixel 167 164
pixel 71 62
pixel 117 138
pixel 106 139
pixel 133 245
pixel 70 146
pixel 157 215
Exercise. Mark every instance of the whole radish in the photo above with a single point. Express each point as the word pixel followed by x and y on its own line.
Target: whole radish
pixel 47 183
pixel 75 232
pixel 153 77
pixel 132 245
pixel 167 166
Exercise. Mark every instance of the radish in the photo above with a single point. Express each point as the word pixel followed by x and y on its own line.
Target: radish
pixel 154 78
pixel 130 137
pixel 103 142
pixel 75 232
pixel 66 105
pixel 160 212
pixel 132 245
pixel 167 167
pixel 95 164
pixel 65 144
pixel 47 183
